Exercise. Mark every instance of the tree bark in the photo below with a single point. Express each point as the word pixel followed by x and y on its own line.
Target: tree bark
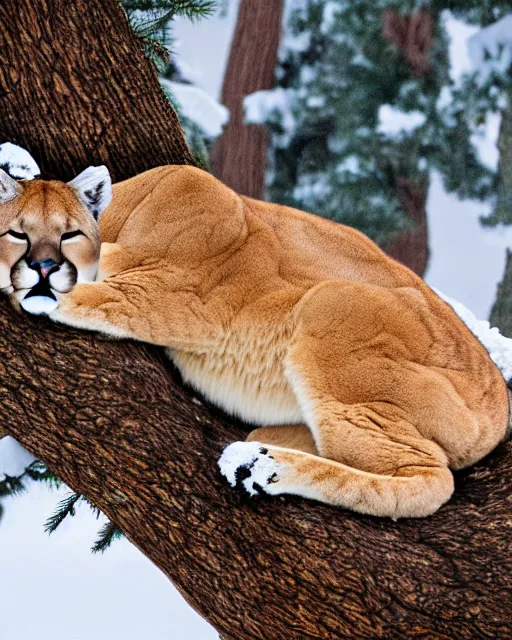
pixel 412 35
pixel 410 246
pixel 76 90
pixel 501 314
pixel 239 155
pixel 112 419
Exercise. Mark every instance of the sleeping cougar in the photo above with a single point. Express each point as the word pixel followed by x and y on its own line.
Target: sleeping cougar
pixel 366 387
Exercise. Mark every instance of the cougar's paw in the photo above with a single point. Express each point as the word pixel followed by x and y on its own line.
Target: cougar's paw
pixel 250 466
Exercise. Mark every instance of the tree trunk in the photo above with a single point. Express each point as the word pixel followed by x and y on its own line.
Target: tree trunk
pixel 501 314
pixel 76 90
pixel 240 154
pixel 112 419
pixel 410 247
pixel 412 35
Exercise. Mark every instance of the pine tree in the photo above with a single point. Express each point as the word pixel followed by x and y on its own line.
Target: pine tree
pixel 345 66
pixel 239 154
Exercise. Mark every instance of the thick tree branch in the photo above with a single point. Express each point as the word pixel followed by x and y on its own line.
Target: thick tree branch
pixel 113 421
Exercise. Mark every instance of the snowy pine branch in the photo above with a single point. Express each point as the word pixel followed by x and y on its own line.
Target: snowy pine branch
pixel 13 484
pixel 150 19
pixel 191 9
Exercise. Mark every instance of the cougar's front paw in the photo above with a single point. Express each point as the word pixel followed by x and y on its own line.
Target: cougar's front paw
pixel 250 466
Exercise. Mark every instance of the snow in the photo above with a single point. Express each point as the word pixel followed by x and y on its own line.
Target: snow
pixel 485 140
pixel 199 106
pixel 316 102
pixel 329 16
pixel 459 34
pixel 350 164
pixel 13 458
pixel 247 455
pixel 20 164
pixel 53 588
pixel 393 122
pixel 260 104
pixel 498 346
pixel 297 43
pixel 312 187
pixel 204 47
pixel 490 50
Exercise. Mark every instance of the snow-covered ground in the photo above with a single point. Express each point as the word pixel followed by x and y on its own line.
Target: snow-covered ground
pixel 51 586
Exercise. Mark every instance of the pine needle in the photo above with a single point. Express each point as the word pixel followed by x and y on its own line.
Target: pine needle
pixel 65 508
pixel 106 535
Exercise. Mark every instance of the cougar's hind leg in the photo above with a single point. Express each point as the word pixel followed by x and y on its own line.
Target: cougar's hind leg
pixel 297 437
pixel 372 458
pixel 408 481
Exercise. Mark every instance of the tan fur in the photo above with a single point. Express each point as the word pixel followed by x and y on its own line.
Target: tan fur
pixel 284 318
pixel 44 211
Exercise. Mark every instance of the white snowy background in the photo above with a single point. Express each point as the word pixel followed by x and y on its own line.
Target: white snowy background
pixel 51 587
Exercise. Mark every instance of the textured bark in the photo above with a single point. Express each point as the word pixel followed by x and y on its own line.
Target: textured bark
pixel 114 423
pixel 76 90
pixel 239 155
pixel 410 247
pixel 412 34
pixel 112 419
pixel 501 314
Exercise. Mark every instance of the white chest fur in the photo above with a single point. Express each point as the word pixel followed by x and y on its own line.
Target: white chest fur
pixel 245 377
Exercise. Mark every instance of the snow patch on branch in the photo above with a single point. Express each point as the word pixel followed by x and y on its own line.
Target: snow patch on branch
pixel 490 50
pixel 394 123
pixel 199 106
pixel 498 346
pixel 260 104
pixel 18 162
pixel 263 106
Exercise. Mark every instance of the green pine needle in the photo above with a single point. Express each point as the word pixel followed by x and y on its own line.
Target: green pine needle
pixel 11 486
pixel 39 472
pixel 191 9
pixel 65 508
pixel 107 534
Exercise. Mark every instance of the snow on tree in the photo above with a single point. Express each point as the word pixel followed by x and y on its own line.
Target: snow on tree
pixel 364 110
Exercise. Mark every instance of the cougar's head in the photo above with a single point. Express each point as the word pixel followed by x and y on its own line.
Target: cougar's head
pixel 49 231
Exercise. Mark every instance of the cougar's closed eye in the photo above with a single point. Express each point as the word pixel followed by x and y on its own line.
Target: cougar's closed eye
pixel 71 236
pixel 17 237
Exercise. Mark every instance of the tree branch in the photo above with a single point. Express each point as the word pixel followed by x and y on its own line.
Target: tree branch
pixel 112 419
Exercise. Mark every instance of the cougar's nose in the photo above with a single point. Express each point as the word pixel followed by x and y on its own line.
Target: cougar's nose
pixel 45 267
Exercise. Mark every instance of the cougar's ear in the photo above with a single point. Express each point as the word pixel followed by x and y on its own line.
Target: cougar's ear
pixel 9 188
pixel 94 188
